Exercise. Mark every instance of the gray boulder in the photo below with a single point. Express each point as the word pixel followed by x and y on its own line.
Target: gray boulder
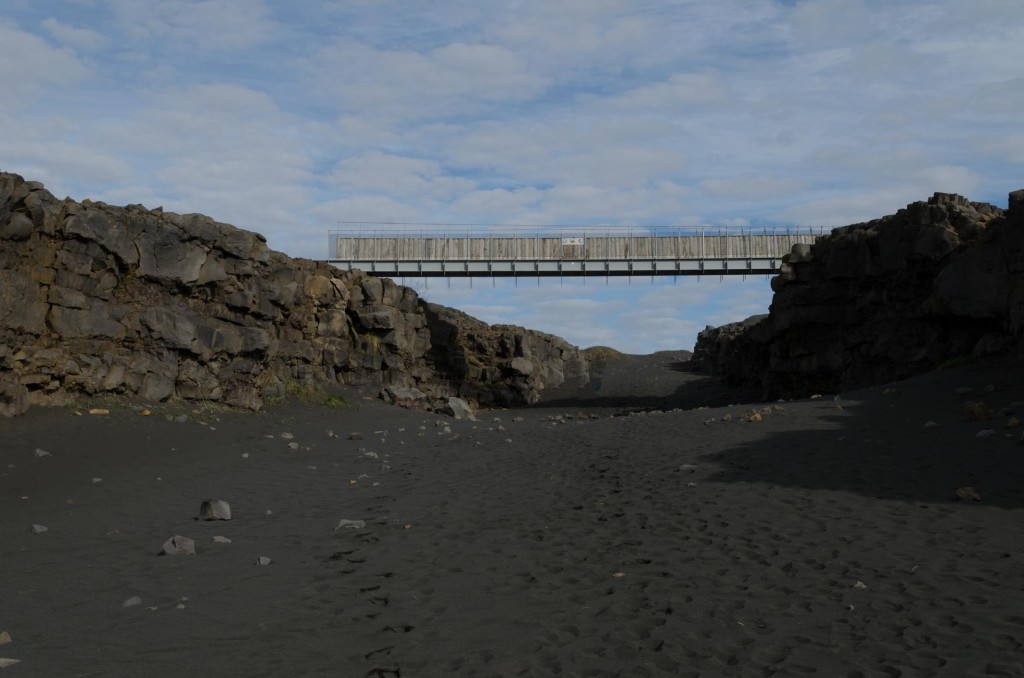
pixel 459 408
pixel 215 509
pixel 178 546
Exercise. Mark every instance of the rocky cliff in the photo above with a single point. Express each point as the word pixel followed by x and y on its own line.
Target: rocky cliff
pixel 936 282
pixel 99 299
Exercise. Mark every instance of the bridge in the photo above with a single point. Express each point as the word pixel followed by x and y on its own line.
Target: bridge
pixel 438 250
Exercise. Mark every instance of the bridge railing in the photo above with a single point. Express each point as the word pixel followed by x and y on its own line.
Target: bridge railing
pixel 440 242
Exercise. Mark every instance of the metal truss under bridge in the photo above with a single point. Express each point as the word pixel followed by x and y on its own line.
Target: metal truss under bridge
pixel 438 250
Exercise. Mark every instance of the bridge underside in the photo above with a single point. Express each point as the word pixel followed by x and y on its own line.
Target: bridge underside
pixel 465 268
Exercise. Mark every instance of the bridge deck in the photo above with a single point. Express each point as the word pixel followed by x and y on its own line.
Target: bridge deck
pixel 590 251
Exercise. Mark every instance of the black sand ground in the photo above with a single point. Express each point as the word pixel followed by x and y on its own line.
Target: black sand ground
pixel 822 540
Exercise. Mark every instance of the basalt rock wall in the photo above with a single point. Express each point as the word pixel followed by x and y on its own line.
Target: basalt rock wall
pixel 98 299
pixel 936 282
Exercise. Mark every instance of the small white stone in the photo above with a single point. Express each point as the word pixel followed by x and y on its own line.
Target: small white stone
pixel 287 436
pixel 350 524
pixel 931 424
pixel 39 529
pixel 42 453
pixel 97 480
pixel 985 433
pixel 132 602
pixel 5 662
pixel 293 446
pixel 245 455
pixel 263 560
pixel 221 540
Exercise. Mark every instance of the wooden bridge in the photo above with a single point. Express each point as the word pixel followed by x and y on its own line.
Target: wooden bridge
pixel 420 250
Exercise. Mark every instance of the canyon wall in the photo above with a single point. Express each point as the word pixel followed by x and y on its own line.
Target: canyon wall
pixel 937 282
pixel 99 299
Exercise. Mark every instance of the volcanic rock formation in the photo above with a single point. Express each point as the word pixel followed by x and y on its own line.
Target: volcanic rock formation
pixel 939 281
pixel 100 299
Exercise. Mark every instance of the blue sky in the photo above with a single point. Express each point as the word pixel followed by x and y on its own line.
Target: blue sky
pixel 287 117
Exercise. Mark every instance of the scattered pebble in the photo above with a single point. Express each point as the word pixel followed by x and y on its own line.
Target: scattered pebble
pixel 263 560
pixel 977 411
pixel 99 410
pixel 859 585
pixel 355 435
pixel 287 436
pixel 350 524
pixel 42 453
pixel 968 493
pixel 931 424
pixel 221 540
pixel 39 529
pixel 132 602
pixel 331 433
pixel 5 637
pixel 293 446
pixel 97 480
pixel 5 662
pixel 985 433
pixel 245 455
pixel 1013 422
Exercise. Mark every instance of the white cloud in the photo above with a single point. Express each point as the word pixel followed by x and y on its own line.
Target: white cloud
pixel 832 22
pixel 673 96
pixel 751 187
pixel 73 36
pixel 405 177
pixel 448 81
pixel 203 25
pixel 29 65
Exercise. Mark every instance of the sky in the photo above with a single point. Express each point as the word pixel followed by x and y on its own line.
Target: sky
pixel 289 117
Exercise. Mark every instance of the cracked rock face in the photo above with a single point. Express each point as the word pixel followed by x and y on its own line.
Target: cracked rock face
pixel 100 299
pixel 883 300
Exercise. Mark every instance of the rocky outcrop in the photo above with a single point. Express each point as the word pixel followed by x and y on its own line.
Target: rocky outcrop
pixel 101 299
pixel 715 345
pixel 884 300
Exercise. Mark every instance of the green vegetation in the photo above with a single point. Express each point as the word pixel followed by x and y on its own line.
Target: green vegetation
pixel 310 394
pixel 958 361
pixel 602 353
